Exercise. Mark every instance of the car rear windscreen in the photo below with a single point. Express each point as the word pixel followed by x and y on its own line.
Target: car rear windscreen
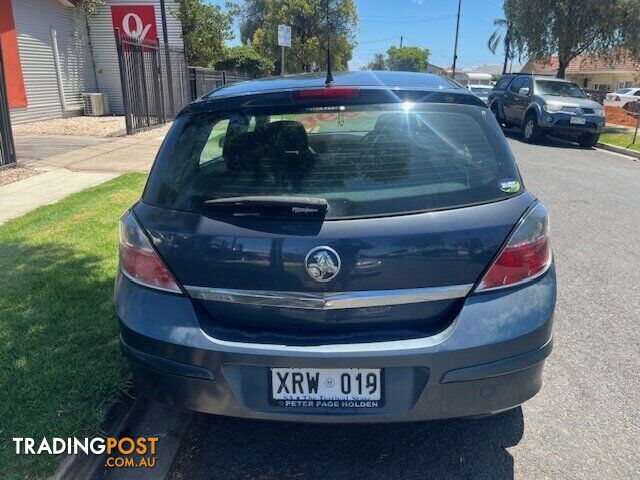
pixel 365 160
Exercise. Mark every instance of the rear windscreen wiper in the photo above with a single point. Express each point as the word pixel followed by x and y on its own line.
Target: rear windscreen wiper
pixel 269 205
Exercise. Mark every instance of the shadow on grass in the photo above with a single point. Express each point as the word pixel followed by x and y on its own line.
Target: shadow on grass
pixel 60 363
pixel 231 448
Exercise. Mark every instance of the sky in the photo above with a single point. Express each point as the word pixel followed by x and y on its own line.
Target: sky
pixel 427 24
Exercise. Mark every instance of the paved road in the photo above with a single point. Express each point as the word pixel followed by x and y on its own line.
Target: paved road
pixel 585 422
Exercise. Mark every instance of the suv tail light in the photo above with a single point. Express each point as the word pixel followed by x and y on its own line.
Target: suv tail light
pixel 138 259
pixel 526 256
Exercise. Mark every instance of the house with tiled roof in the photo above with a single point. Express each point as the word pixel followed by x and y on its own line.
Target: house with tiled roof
pixel 592 72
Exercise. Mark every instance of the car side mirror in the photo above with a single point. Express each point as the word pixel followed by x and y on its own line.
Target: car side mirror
pixel 524 91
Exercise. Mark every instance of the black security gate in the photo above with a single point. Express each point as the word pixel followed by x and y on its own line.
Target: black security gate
pixel 153 91
pixel 7 147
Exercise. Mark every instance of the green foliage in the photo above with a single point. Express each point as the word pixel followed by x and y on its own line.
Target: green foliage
pixel 405 59
pixel 245 58
pixel 60 362
pixel 408 59
pixel 379 62
pixel 502 34
pixel 309 31
pixel 89 7
pixel 205 28
pixel 569 28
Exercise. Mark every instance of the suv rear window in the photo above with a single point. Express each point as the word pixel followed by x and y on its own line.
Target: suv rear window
pixel 365 160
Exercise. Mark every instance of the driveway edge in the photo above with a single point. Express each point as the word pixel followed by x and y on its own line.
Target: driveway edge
pixel 616 149
pixel 132 416
pixel 117 417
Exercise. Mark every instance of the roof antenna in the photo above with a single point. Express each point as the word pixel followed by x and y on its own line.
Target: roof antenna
pixel 329 80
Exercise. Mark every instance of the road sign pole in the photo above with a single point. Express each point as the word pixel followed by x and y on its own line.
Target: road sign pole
pixel 284 40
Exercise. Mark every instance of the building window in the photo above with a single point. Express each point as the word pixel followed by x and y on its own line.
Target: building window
pixel 628 84
pixel 585 82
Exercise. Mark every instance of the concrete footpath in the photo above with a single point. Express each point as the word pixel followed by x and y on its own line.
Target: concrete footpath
pixel 74 170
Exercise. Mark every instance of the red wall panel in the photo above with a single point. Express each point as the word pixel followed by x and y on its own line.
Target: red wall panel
pixel 11 57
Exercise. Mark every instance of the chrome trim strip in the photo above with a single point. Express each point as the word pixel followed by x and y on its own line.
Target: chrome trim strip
pixel 330 300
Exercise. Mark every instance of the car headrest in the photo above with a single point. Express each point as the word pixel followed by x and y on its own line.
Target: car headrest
pixel 287 135
pixel 243 143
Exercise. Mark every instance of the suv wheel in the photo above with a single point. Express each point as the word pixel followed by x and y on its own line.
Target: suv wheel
pixel 530 129
pixel 588 140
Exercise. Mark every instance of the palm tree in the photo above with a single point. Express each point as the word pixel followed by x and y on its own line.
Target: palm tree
pixel 504 34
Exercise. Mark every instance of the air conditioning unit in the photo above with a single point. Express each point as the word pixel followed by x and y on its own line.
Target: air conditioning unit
pixel 95 104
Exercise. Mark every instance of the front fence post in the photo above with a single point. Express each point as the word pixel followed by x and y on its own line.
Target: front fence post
pixel 7 147
pixel 123 82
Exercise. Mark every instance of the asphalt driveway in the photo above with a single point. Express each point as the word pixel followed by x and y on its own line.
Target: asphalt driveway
pixel 584 424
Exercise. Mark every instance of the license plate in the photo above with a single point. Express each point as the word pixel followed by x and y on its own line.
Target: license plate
pixel 578 120
pixel 327 387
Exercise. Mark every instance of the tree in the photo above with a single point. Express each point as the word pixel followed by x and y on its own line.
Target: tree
pixel 569 28
pixel 252 16
pixel 205 28
pixel 244 58
pixel 310 27
pixel 379 62
pixel 503 32
pixel 406 59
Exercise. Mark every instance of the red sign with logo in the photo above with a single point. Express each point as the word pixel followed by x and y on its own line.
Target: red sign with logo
pixel 135 21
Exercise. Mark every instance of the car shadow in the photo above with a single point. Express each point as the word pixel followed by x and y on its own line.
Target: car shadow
pixel 218 447
pixel 544 141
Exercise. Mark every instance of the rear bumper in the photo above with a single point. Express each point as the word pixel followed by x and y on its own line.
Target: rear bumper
pixel 489 360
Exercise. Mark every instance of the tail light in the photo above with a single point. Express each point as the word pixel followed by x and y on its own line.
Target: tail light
pixel 138 259
pixel 526 256
pixel 327 93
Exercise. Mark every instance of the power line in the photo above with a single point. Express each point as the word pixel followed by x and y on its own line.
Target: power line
pixel 381 40
pixel 438 54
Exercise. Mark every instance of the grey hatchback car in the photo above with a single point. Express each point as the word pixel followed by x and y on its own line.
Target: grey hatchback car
pixel 362 251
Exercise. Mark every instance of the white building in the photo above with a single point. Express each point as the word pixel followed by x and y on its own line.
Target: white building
pixel 52 54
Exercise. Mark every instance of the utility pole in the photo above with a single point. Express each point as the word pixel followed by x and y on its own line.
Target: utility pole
pixel 455 46
pixel 401 38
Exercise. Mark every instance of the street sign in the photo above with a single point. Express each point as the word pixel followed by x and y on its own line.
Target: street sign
pixel 284 35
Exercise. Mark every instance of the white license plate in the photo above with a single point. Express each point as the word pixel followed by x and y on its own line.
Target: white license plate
pixel 578 120
pixel 326 387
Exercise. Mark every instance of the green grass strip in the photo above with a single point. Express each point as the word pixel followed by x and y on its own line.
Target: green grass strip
pixel 623 140
pixel 60 363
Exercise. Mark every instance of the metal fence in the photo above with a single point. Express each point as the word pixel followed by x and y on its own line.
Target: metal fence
pixel 152 92
pixel 7 147
pixel 203 80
